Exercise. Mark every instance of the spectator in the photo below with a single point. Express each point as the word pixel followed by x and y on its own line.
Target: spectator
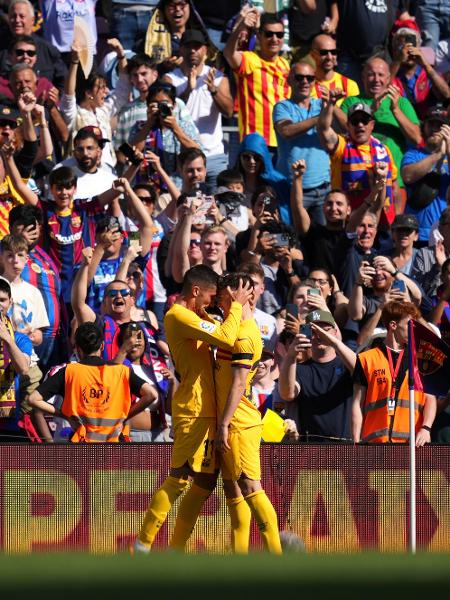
pixel 16 350
pixel 169 127
pixel 142 72
pixel 130 20
pixel 440 315
pixel 353 157
pixel 405 232
pixel 380 411
pixel 94 377
pixel 324 52
pixel 21 22
pixel 93 105
pixel 321 386
pixel 216 15
pixel 412 74
pixel 295 125
pixel 261 76
pixel 395 121
pixel 432 18
pixel 309 19
pixel 206 93
pixel 426 173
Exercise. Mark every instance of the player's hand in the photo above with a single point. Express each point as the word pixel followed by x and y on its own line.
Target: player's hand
pixel 422 438
pixel 222 444
pixel 243 294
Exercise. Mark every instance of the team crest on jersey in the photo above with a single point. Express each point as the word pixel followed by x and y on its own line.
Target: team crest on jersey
pixel 36 268
pixel 209 327
pixel 76 221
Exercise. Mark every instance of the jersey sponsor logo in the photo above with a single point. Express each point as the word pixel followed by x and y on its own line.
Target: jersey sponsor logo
pixel 66 240
pixel 209 327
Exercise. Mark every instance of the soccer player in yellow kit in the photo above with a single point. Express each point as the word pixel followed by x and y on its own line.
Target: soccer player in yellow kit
pixel 238 436
pixel 190 332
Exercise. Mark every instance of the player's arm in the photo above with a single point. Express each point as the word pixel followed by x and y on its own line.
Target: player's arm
pixel 83 312
pixel 237 390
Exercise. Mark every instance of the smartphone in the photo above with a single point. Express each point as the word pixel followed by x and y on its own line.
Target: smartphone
pixel 306 330
pixel 292 309
pixel 281 240
pixel 399 285
pixel 128 152
pixel 269 203
pixel 410 39
pixel 313 292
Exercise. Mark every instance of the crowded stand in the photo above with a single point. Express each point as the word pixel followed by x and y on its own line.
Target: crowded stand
pixel 169 166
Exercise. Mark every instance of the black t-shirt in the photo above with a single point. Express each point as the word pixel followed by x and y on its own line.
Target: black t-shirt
pixel 325 398
pixel 56 384
pixel 364 25
pixel 217 13
pixel 319 245
pixel 304 26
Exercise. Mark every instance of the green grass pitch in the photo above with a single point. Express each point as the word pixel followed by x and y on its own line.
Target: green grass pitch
pixel 164 576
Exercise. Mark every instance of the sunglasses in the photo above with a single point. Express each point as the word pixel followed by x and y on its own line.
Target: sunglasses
pixel 270 34
pixel 249 156
pixel 146 199
pixel 114 293
pixel 20 52
pixel 195 242
pixel 309 78
pixel 325 52
pixel 357 120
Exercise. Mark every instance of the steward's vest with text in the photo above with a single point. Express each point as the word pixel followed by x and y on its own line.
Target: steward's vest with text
pixel 378 425
pixel 99 397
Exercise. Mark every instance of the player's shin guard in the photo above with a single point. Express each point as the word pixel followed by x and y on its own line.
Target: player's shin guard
pixel 266 518
pixel 187 515
pixel 159 507
pixel 241 516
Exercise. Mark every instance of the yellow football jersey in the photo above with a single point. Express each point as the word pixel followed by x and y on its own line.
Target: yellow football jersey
pixel 246 353
pixel 189 337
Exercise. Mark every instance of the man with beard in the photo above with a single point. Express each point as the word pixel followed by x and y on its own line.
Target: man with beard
pixel 92 178
pixel 426 173
pixel 324 53
pixel 206 93
pixel 142 72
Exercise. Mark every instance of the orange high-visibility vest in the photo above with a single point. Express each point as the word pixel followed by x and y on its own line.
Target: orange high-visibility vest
pixel 99 397
pixel 378 426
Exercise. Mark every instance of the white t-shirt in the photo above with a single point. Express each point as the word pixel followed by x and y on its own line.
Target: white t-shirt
pixel 89 184
pixel 203 109
pixel 268 326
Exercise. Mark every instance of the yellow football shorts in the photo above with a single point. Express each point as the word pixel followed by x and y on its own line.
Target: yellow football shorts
pixel 243 458
pixel 193 443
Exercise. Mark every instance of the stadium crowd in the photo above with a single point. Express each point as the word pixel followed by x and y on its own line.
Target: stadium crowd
pixel 303 144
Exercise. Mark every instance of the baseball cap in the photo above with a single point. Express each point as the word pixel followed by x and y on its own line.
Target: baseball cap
pixel 320 316
pixel 360 107
pixel 409 221
pixel 194 36
pixel 93 131
pixel 438 113
pixel 8 113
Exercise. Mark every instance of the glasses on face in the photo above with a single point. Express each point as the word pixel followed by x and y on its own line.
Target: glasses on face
pixel 248 156
pixel 324 52
pixel 175 5
pixel 22 52
pixel 319 280
pixel 270 34
pixel 114 293
pixel 364 120
pixel 309 78
pixel 195 242
pixel 146 199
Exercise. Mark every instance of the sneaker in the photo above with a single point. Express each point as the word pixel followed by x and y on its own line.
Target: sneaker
pixel 139 548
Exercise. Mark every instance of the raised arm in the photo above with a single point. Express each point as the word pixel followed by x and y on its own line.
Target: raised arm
pixel 328 137
pixel 26 193
pixel 83 312
pixel 288 386
pixel 248 19
pixel 181 240
pixel 300 216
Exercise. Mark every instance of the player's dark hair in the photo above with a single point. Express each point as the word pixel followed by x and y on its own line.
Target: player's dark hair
pixel 161 86
pixel 25 39
pixel 62 177
pixel 88 337
pixel 233 280
pixel 189 155
pixel 252 269
pixel 148 188
pixel 25 214
pixel 140 60
pixel 200 275
pixel 269 19
pixel 5 287
pixel 229 176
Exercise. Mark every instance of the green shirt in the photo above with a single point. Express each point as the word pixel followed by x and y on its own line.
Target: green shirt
pixel 387 129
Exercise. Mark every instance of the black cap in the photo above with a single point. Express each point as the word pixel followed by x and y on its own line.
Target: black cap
pixel 194 35
pixel 407 221
pixel 438 113
pixel 8 113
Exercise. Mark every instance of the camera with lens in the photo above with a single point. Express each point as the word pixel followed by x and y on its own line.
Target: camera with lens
pixel 165 109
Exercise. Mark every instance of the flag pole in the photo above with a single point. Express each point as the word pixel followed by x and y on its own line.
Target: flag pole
pixel 412 444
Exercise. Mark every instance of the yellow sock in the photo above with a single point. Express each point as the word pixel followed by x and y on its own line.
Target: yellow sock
pixel 159 507
pixel 241 516
pixel 187 515
pixel 266 518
